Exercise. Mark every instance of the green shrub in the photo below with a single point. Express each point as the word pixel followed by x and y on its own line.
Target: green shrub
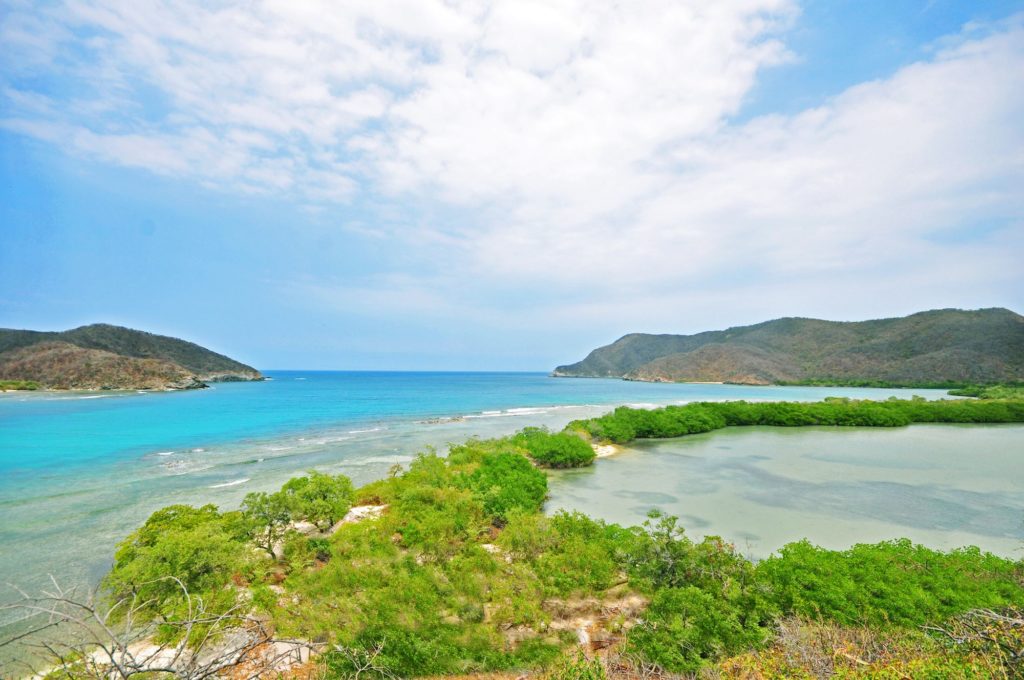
pixel 706 601
pixel 504 482
pixel 561 450
pixel 894 583
pixel 18 385
pixel 577 667
pixel 625 424
pixel 686 628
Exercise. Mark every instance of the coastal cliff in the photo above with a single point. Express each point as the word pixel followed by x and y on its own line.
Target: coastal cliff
pixel 106 357
pixel 948 346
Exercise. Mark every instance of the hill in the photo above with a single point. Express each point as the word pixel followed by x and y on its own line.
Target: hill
pixel 101 356
pixel 946 346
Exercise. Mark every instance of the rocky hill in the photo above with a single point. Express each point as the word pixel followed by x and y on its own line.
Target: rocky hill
pixel 940 346
pixel 101 356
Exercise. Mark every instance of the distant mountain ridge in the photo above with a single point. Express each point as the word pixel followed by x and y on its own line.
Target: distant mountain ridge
pixel 939 346
pixel 102 356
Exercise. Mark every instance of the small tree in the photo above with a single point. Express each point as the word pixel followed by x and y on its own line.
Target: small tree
pixel 267 516
pixel 178 548
pixel 319 498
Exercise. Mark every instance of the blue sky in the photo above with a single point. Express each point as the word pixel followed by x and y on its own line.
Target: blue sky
pixel 503 185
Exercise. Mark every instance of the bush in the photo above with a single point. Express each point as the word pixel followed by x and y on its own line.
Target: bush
pixel 686 628
pixel 577 667
pixel 706 600
pixel 505 482
pixel 560 450
pixel 317 498
pixel 625 424
pixel 894 583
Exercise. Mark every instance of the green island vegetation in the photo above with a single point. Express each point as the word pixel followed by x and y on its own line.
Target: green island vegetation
pixel 1004 391
pixel 625 424
pixel 458 571
pixel 881 384
pixel 559 450
pixel 1007 390
pixel 6 385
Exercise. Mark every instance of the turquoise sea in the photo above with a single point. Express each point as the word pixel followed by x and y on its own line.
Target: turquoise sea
pixel 78 471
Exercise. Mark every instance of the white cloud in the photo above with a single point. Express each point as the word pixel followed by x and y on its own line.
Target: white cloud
pixel 570 144
pixel 867 179
pixel 474 100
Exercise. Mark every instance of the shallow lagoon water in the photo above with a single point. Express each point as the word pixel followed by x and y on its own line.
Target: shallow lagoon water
pixel 945 486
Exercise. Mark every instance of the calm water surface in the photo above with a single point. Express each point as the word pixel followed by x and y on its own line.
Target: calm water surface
pixel 761 487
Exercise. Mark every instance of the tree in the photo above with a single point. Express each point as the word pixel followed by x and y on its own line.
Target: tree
pixel 198 548
pixel 267 516
pixel 319 498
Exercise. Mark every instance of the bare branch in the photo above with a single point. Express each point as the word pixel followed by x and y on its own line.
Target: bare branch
pixel 96 640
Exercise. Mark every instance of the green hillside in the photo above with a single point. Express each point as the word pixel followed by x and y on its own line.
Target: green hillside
pixel 102 356
pixel 947 346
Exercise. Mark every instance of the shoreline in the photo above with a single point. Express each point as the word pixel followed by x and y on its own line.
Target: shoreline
pixel 175 450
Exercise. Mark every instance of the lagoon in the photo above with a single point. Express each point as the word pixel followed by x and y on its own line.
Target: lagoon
pixel 945 486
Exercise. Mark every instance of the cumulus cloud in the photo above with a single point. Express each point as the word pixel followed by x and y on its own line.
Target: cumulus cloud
pixel 472 100
pixel 562 144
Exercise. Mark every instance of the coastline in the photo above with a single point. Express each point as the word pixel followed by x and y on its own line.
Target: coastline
pixel 109 491
pixel 118 456
pixel 605 450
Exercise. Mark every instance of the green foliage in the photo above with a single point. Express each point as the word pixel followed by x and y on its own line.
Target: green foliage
pixel 463 573
pixel 561 450
pixel 570 553
pixel 267 516
pixel 577 667
pixel 706 600
pixel 625 424
pixel 302 552
pixel 686 628
pixel 318 498
pixel 499 476
pixel 179 548
pixel 506 482
pixel 895 583
pixel 413 592
pixel 18 385
pixel 1006 391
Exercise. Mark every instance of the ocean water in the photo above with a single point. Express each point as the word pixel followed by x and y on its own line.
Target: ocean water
pixel 79 471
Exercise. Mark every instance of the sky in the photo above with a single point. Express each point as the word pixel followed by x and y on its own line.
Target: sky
pixel 503 185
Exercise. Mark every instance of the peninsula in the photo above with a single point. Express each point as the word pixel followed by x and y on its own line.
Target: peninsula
pixel 106 357
pixel 941 348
